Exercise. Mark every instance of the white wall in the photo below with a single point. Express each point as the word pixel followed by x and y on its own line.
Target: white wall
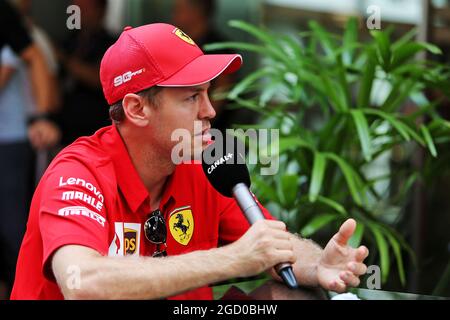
pixel 406 11
pixel 115 16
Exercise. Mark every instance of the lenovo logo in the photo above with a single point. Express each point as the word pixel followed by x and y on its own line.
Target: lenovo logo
pixel 127 76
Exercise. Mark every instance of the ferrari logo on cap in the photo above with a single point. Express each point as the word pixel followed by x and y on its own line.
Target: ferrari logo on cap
pixel 181 225
pixel 183 36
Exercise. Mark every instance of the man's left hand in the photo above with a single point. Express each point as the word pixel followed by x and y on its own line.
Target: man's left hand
pixel 340 265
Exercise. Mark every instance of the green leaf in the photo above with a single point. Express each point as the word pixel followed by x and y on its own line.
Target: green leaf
pixel 271 44
pixel 399 93
pixel 336 96
pixel 294 46
pixel 406 38
pixel 383 47
pixel 416 136
pixel 363 133
pixel 439 124
pixel 398 256
pixel 253 30
pixel 252 105
pixel 292 143
pixel 431 47
pixel 383 250
pixel 289 185
pixel 397 124
pixel 355 240
pixel 317 176
pixel 235 45
pixel 314 80
pixel 247 81
pixel 409 50
pixel 317 223
pixel 323 36
pixel 403 243
pixel 333 204
pixel 350 38
pixel 264 190
pixel 343 82
pixel 354 182
pixel 429 140
pixel 269 92
pixel 363 100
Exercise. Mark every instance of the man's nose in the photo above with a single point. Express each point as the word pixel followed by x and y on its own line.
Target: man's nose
pixel 207 110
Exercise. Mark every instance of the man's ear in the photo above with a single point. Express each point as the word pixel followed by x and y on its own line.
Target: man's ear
pixel 136 111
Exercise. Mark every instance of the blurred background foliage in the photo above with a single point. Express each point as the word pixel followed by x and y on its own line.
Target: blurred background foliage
pixel 339 104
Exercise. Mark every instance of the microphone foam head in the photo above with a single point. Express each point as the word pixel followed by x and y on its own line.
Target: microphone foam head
pixel 224 165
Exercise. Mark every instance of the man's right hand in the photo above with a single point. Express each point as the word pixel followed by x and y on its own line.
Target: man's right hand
pixel 43 134
pixel 266 244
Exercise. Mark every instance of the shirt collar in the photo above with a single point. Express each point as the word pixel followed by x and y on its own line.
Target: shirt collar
pixel 128 179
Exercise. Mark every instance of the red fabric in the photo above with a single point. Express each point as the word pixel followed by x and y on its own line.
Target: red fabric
pixel 91 195
pixel 158 54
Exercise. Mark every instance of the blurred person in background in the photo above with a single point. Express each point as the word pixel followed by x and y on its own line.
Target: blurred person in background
pixel 196 18
pixel 40 159
pixel 79 57
pixel 21 60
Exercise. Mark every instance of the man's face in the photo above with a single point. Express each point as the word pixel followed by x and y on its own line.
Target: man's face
pixel 181 108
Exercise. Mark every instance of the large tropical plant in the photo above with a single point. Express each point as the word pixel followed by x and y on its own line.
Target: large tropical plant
pixel 339 103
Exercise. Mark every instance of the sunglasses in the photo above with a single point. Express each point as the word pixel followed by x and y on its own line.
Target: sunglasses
pixel 156 232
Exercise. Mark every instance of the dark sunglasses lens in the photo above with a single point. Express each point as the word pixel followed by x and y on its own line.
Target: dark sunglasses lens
pixel 155 229
pixel 160 254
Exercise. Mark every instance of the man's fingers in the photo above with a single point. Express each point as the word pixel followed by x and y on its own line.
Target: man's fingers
pixel 345 232
pixel 276 224
pixel 349 279
pixel 338 286
pixel 280 234
pixel 282 256
pixel 361 253
pixel 357 268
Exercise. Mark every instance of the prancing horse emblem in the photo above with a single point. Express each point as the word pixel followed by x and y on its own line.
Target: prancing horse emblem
pixel 181 224
pixel 183 36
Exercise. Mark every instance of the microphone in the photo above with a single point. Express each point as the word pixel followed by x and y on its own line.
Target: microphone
pixel 227 172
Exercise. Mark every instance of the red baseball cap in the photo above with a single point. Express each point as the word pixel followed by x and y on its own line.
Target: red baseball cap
pixel 158 54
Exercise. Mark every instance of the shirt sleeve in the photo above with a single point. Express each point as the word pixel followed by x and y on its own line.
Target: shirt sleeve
pixel 12 29
pixel 233 224
pixel 9 58
pixel 71 211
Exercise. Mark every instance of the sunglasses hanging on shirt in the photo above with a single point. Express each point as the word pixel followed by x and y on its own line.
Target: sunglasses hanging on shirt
pixel 156 232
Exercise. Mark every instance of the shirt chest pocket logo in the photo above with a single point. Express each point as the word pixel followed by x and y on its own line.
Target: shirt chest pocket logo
pixel 126 239
pixel 181 225
pixel 130 241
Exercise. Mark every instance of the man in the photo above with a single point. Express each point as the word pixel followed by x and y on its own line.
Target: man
pixel 114 194
pixel 79 56
pixel 21 62
pixel 42 132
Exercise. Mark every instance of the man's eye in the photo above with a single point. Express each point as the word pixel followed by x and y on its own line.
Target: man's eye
pixel 193 97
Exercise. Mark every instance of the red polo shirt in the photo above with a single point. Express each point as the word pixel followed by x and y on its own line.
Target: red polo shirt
pixel 91 195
